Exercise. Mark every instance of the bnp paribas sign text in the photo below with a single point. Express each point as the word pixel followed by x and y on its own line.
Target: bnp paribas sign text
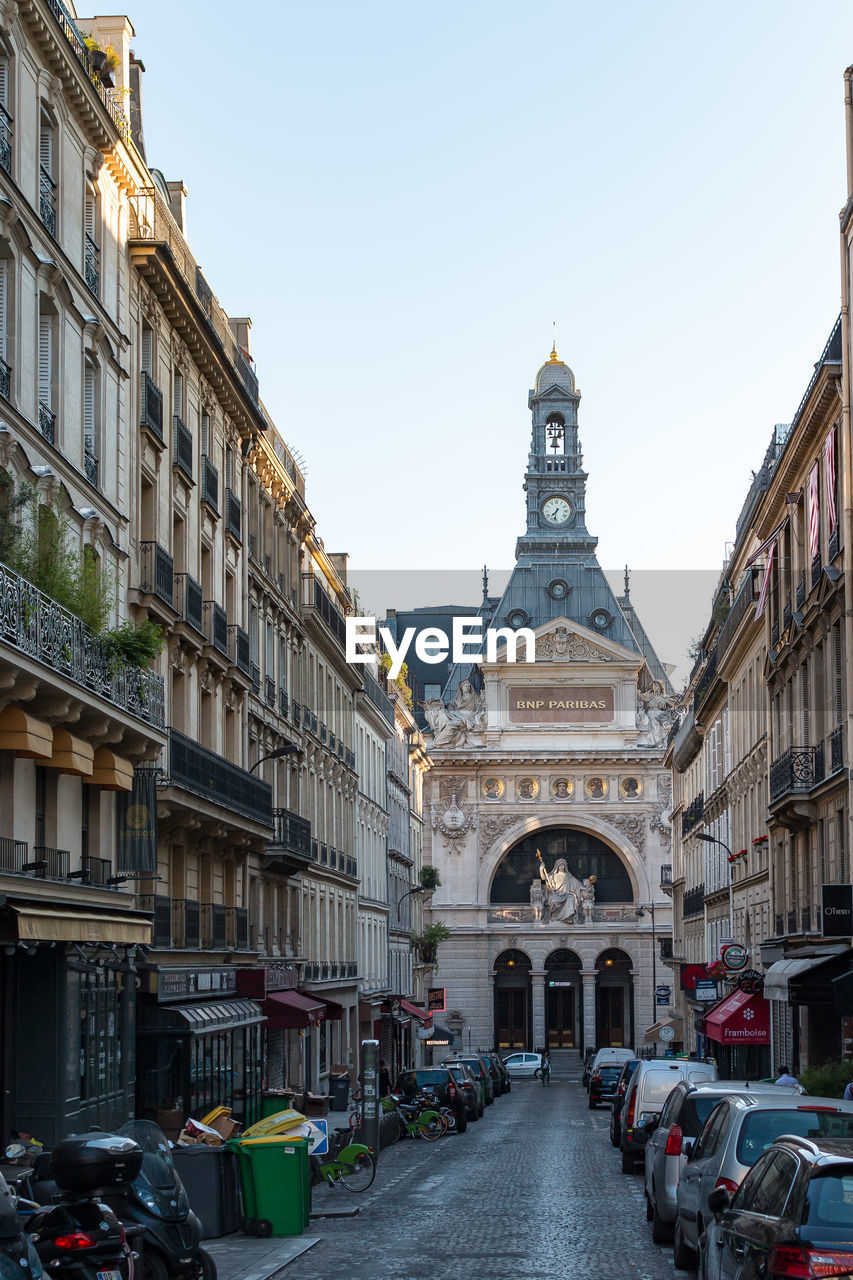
pixel 467 642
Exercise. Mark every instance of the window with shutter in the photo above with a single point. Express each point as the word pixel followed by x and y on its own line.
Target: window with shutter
pixel 89 409
pixel 841 835
pixel 45 360
pixel 804 704
pixel 46 147
pixel 838 667
pixel 90 215
pixel 789 693
pixel 205 434
pixel 5 118
pixel 4 82
pixel 4 271
pixel 147 351
pixel 229 468
pixel 178 395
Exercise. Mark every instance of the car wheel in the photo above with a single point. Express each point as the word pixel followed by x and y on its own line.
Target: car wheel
pixel 682 1255
pixel 593 1106
pixel 481 1112
pixel 614 1135
pixel 661 1231
pixel 461 1123
pixel 627 1162
pixel 649 1210
pixel 537 1074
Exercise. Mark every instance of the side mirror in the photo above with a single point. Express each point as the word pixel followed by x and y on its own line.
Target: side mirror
pixel 687 1149
pixel 652 1123
pixel 718 1201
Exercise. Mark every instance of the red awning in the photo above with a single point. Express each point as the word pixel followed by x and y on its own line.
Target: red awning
pixel 422 1015
pixel 287 1010
pixel 739 1018
pixel 334 1011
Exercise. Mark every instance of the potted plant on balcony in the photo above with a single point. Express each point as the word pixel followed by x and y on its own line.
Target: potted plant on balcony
pixel 103 61
pixel 429 941
pixel 137 646
pixel 430 879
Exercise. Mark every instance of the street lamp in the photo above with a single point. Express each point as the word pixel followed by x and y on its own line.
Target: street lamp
pixel 416 888
pixel 289 749
pixel 701 835
pixel 641 911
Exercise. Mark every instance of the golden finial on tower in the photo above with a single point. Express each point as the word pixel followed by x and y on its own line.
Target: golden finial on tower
pixel 555 359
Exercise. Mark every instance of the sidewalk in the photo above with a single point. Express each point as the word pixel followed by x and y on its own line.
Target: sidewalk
pixel 241 1257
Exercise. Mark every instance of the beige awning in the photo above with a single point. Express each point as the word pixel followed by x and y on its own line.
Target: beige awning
pixel 71 754
pixel 25 735
pixel 653 1032
pixel 111 772
pixel 46 924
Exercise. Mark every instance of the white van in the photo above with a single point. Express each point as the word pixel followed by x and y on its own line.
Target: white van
pixel 613 1057
pixel 651 1084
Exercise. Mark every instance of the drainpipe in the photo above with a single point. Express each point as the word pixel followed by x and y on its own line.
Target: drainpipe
pixel 844 460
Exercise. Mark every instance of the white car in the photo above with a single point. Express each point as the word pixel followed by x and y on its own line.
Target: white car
pixel 523 1066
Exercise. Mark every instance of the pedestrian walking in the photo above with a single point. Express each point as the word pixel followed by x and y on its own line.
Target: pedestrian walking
pixel 785 1077
pixel 546 1068
pixel 384 1079
pixel 847 1095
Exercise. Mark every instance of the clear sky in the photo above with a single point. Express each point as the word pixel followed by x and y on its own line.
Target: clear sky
pixel 405 197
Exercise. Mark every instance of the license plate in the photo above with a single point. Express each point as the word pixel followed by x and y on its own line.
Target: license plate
pixel 109 1275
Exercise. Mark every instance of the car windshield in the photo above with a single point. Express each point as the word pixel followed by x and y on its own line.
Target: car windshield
pixel 474 1064
pixel 609 1073
pixel 761 1128
pixel 431 1077
pixel 658 1084
pixel 459 1075
pixel 829 1203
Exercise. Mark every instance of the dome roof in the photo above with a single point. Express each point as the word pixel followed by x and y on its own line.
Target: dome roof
pixel 554 373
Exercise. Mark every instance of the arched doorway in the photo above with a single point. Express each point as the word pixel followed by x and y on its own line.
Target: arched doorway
pixel 513 1022
pixel 585 854
pixel 563 1000
pixel 614 1000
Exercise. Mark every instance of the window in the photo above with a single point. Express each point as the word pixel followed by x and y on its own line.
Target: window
pixel 205 434
pixel 47 418
pixel 431 691
pixel 90 432
pixel 147 350
pixel 5 117
pixel 47 186
pixel 178 395
pixel 4 292
pixel 91 240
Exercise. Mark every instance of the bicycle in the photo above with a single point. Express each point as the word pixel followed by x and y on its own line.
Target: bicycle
pixel 353 1166
pixel 355 1100
pixel 419 1121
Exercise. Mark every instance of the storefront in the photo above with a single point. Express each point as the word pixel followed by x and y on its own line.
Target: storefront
pixel 298 1017
pixel 805 983
pixel 737 1030
pixel 67 1011
pixel 280 1046
pixel 197 1046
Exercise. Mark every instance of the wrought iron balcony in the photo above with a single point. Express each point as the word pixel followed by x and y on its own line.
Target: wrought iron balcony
pixel 5 380
pixel 96 871
pixel 328 611
pixel 91 264
pixel 741 606
pixel 216 626
pixel 182 446
pixel 204 773
pixel 240 651
pixel 296 709
pixel 161 928
pixel 55 863
pixel 47 423
pixel 693 814
pixel 5 140
pixel 706 680
pixel 255 677
pixel 786 614
pixel 796 771
pixel 282 701
pixel 774 634
pixel 91 468
pixel 694 901
pixel 801 590
pixel 666 950
pixel 47 200
pixel 291 848
pixel 72 34
pixel 35 624
pixel 186 923
pixel 349 758
pixel 233 515
pixel 270 691
pixel 779 922
pixel 151 405
pixel 237 927
pixel 209 483
pixel 816 569
pixel 214 936
pixel 157 572
pixel 792 921
pixel 666 875
pixel 836 749
pixel 188 601
pixel 834 545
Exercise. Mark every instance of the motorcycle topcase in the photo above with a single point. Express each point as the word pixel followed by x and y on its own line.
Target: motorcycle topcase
pixel 89 1161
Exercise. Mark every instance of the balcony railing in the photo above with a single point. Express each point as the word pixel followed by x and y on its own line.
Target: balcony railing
pixel 55 863
pixel 5 380
pixel 270 691
pixel 816 568
pixel 5 140
pixel 292 833
pixel 233 515
pixel 188 601
pixel 157 572
pixel 296 709
pixel 786 614
pixel 91 264
pixel 206 774
pixel 282 701
pixel 255 677
pixel 72 34
pixel 151 405
pixel 836 749
pixel 741 606
pixel 792 922
pixel 666 874
pixel 96 871
pixel 328 611
pixel 797 770
pixel 801 590
pixel 91 468
pixel 779 922
pixel 161 905
pixel 186 922
pixel 214 936
pixel 36 625
pixel 47 200
pixel 694 901
pixel 47 423
pixel 182 446
pixel 706 679
pixel 239 650
pixel 209 483
pixel 216 626
pixel 693 814
pixel 237 927
pixel 833 545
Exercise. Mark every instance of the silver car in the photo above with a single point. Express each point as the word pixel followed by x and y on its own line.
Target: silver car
pixel 524 1066
pixel 735 1134
pixel 684 1113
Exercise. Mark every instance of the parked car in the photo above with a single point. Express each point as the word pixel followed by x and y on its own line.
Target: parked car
pixel 651 1085
pixel 792 1215
pixel 602 1084
pixel 472 1090
pixel 684 1113
pixel 493 1066
pixel 628 1069
pixel 613 1057
pixel 439 1081
pixel 589 1055
pixel 524 1066
pixel 738 1131
pixel 480 1072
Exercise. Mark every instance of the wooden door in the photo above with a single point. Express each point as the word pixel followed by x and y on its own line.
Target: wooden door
pixel 511 1018
pixel 611 1017
pixel 560 1017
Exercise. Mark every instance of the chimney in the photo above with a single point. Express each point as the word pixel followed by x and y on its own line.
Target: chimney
pixel 177 202
pixel 339 560
pixel 240 326
pixel 137 67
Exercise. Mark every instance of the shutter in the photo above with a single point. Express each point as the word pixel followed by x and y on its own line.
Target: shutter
pixel 229 468
pixel 89 410
pixel 178 396
pixel 45 360
pixel 4 83
pixel 838 668
pixel 147 352
pixel 205 434
pixel 804 700
pixel 89 216
pixel 46 149
pixel 789 693
pixel 4 268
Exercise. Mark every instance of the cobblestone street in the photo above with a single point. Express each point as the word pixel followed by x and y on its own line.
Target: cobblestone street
pixel 533 1190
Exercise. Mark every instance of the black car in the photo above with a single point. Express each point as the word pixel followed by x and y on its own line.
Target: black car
pixel 602 1085
pixel 480 1072
pixel 496 1070
pixel 440 1082
pixel 588 1059
pixel 791 1216
pixel 628 1069
pixel 471 1088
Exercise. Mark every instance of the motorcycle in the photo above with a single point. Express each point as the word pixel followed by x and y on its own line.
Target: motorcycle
pixel 156 1200
pixel 18 1257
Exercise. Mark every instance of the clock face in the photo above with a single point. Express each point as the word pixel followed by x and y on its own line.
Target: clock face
pixel 556 510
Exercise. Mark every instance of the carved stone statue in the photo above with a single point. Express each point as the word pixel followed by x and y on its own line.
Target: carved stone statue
pixel 587 898
pixel 562 890
pixel 453 725
pixel 536 898
pixel 655 716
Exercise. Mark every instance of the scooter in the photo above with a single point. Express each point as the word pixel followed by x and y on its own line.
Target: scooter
pixel 156 1200
pixel 18 1257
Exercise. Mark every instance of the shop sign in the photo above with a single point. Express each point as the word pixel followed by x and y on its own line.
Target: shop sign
pixel 436 1002
pixel 751 981
pixel 734 956
pixel 561 704
pixel 836 911
pixel 691 974
pixel 178 984
pixel 705 989
pixel 258 982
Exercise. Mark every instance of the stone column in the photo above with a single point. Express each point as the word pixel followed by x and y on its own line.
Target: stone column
pixel 537 995
pixel 588 978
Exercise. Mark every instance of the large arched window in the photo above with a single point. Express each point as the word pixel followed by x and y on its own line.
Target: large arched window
pixel 585 854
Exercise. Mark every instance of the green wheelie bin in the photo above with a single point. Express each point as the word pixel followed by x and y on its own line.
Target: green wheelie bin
pixel 276 1182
